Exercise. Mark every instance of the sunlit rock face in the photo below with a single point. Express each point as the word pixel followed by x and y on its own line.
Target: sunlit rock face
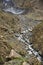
pixel 37 38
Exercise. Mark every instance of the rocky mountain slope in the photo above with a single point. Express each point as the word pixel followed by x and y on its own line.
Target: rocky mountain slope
pixel 37 38
pixel 19 32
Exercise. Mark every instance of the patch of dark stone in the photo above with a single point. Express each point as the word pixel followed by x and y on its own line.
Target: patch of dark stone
pixel 1 63
pixel 8 59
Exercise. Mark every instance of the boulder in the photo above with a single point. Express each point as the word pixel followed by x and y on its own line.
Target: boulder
pixel 14 54
pixel 25 63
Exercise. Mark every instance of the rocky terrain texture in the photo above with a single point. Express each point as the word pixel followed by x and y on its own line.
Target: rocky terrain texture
pixel 19 32
pixel 37 38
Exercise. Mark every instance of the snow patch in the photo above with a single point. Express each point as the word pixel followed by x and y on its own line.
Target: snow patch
pixel 14 10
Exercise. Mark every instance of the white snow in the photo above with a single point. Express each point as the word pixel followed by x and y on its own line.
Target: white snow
pixel 30 52
pixel 30 29
pixel 39 58
pixel 14 10
pixel 31 48
pixel 25 31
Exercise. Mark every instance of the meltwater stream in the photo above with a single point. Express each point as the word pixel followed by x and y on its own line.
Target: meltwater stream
pixel 27 42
